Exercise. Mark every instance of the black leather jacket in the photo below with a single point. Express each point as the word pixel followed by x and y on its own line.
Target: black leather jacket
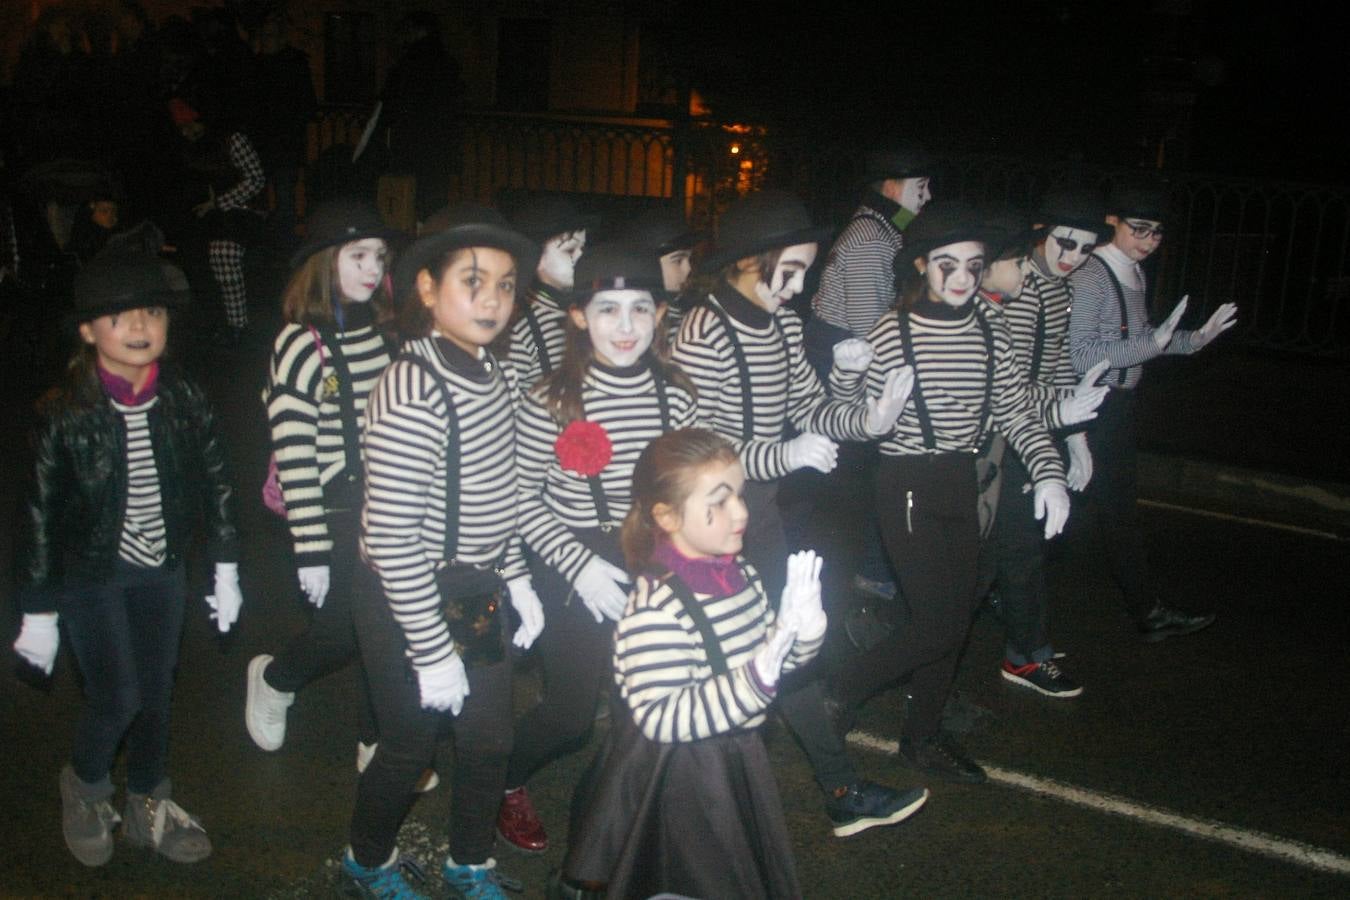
pixel 78 498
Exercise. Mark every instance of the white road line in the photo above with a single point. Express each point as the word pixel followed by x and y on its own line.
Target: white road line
pixel 1245 520
pixel 1269 845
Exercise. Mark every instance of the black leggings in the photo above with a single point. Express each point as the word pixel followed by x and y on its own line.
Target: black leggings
pixel 408 736
pixel 926 506
pixel 576 655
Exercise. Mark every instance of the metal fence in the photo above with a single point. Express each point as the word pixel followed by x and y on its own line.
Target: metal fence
pixel 1279 250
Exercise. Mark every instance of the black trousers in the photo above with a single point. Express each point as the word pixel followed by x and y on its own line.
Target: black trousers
pixel 408 736
pixel 1112 496
pixel 1013 559
pixel 927 509
pixel 576 655
pixel 329 643
pixel 801 696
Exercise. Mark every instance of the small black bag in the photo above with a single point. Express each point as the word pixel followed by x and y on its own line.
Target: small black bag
pixel 471 595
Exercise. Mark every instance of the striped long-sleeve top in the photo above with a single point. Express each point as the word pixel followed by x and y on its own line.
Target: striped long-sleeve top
pixel 251 177
pixel 537 338
pixel 857 285
pixel 662 670
pixel 403 522
pixel 950 364
pixel 554 500
pixel 305 417
pixel 782 385
pixel 143 541
pixel 1096 331
pixel 1039 321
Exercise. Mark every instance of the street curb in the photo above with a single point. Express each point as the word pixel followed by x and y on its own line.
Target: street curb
pixel 1320 506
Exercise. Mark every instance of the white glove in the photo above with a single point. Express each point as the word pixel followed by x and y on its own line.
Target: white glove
pixel 812 451
pixel 314 582
pixel 444 685
pixel 1052 505
pixel 1162 335
pixel 531 611
pixel 882 411
pixel 768 660
pixel 227 599
pixel 602 586
pixel 853 355
pixel 800 608
pixel 1224 318
pixel 1080 461
pixel 38 640
pixel 1087 395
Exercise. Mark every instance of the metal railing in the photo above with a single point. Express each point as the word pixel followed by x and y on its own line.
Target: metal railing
pixel 1279 250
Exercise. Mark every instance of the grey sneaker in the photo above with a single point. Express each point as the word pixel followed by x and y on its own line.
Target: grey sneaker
pixel 153 820
pixel 265 707
pixel 87 818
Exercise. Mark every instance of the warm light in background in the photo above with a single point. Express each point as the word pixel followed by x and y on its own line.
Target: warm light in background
pixel 735 148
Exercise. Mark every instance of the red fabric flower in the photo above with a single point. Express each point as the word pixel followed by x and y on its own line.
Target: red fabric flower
pixel 584 447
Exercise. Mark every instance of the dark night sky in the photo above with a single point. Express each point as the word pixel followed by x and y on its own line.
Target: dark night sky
pixel 1041 77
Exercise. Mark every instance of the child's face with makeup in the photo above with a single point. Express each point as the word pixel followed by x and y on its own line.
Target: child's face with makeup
pixel 953 272
pixel 129 341
pixel 472 302
pixel 621 324
pixel 712 519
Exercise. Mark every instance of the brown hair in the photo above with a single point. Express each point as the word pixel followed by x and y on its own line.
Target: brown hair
pixel 766 262
pixel 665 473
pixel 313 287
pixel 560 392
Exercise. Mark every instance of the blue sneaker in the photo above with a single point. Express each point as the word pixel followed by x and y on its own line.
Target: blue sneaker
pixel 866 804
pixel 384 882
pixel 478 882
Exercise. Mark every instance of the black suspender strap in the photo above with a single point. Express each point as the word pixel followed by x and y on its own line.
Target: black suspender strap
pixel 1124 313
pixel 920 406
pixel 743 367
pixel 451 456
pixel 607 523
pixel 351 445
pixel 662 401
pixel 537 331
pixel 717 659
pixel 1038 348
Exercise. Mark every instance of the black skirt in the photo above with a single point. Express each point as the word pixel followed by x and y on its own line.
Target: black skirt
pixel 701 819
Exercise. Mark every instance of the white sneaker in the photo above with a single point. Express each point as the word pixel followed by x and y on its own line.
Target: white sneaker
pixel 265 708
pixel 366 752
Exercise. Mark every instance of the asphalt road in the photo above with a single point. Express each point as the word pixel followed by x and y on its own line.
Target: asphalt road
pixel 1205 766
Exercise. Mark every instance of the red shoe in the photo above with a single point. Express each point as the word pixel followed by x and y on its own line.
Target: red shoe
pixel 518 824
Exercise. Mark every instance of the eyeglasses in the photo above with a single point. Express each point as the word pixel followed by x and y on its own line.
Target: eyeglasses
pixel 1143 231
pixel 1068 245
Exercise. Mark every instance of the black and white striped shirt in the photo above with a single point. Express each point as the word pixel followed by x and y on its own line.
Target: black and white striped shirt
pixel 142 542
pixel 545 312
pixel 305 418
pixel 857 285
pixel 783 385
pixel 951 369
pixel 553 501
pixel 1095 331
pixel 661 665
pixel 403 522
pixel 1040 315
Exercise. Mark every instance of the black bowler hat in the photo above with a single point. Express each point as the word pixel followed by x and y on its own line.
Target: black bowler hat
pixel 464 225
pixel 900 162
pixel 1008 230
pixel 616 267
pixel 548 217
pixel 942 223
pixel 661 230
pixel 115 282
pixel 759 222
pixel 342 221
pixel 1073 208
pixel 1139 201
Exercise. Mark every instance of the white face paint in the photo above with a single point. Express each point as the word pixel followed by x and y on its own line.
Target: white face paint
pixel 360 268
pixel 953 272
pixel 1066 249
pixel 621 325
pixel 559 259
pixel 787 279
pixel 914 196
pixel 675 269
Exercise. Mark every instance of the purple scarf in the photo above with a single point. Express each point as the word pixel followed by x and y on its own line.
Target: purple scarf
pixel 720 576
pixel 118 388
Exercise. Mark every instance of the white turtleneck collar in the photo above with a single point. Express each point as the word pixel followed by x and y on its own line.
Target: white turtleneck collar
pixel 1125 269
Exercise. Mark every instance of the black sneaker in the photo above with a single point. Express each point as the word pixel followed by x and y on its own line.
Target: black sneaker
pixel 866 804
pixel 1164 622
pixel 1045 678
pixel 943 757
